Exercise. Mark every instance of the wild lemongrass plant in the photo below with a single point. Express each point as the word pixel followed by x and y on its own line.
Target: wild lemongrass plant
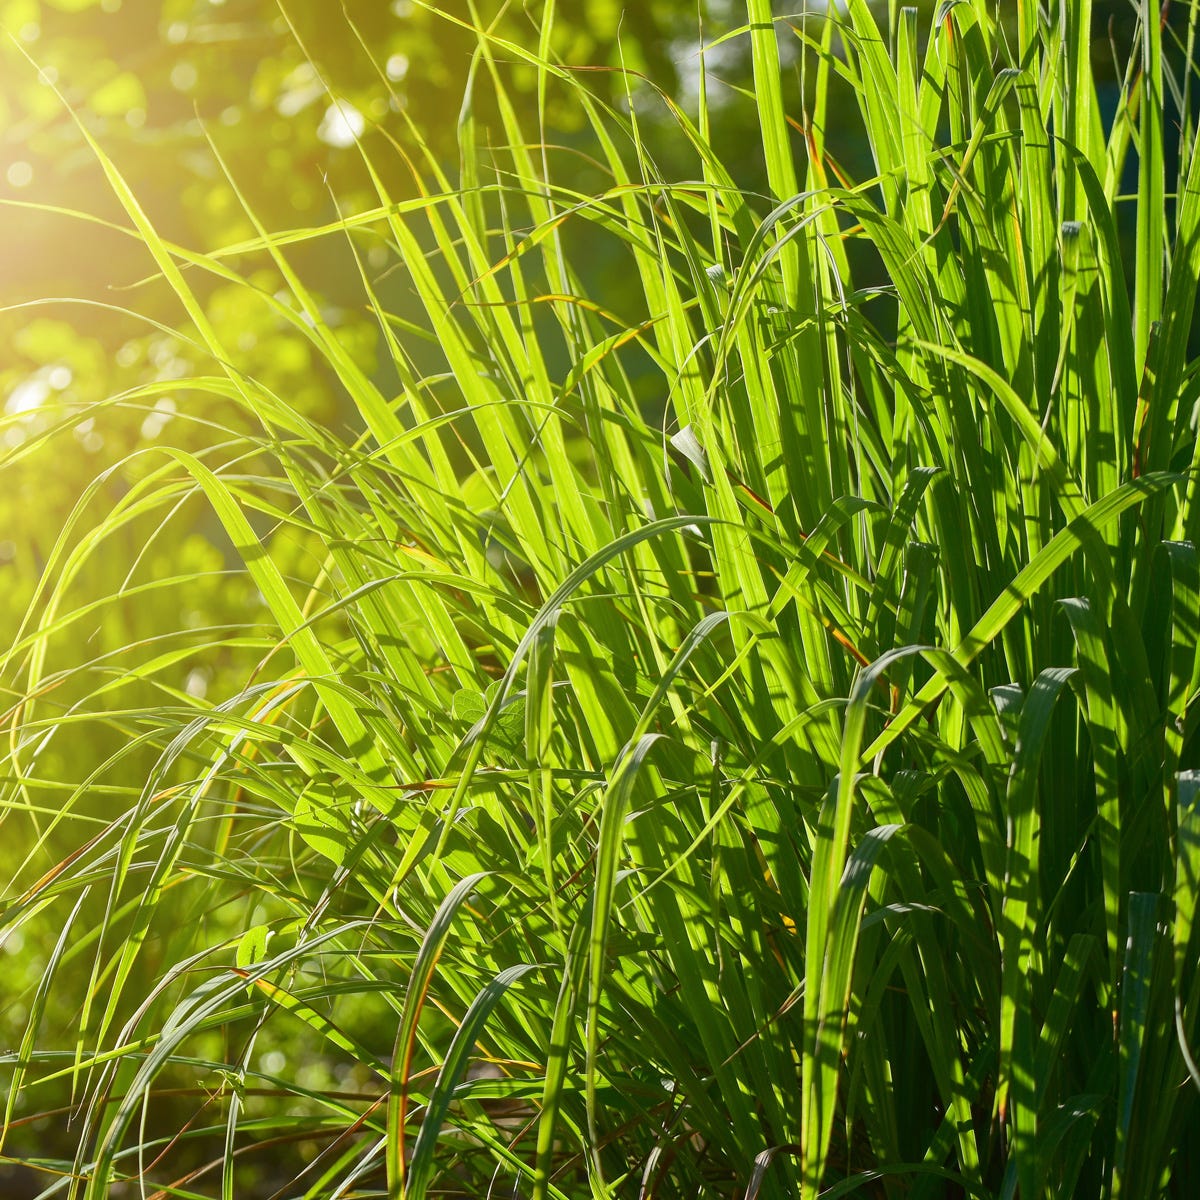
pixel 784 784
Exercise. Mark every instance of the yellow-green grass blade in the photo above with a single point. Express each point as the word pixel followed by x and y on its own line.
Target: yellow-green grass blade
pixel 1024 585
pixel 421 1168
pixel 1016 1098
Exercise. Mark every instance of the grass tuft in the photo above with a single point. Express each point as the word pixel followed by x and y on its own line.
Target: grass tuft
pixel 730 734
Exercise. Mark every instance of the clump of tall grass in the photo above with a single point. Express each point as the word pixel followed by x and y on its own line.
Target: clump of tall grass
pixel 789 787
